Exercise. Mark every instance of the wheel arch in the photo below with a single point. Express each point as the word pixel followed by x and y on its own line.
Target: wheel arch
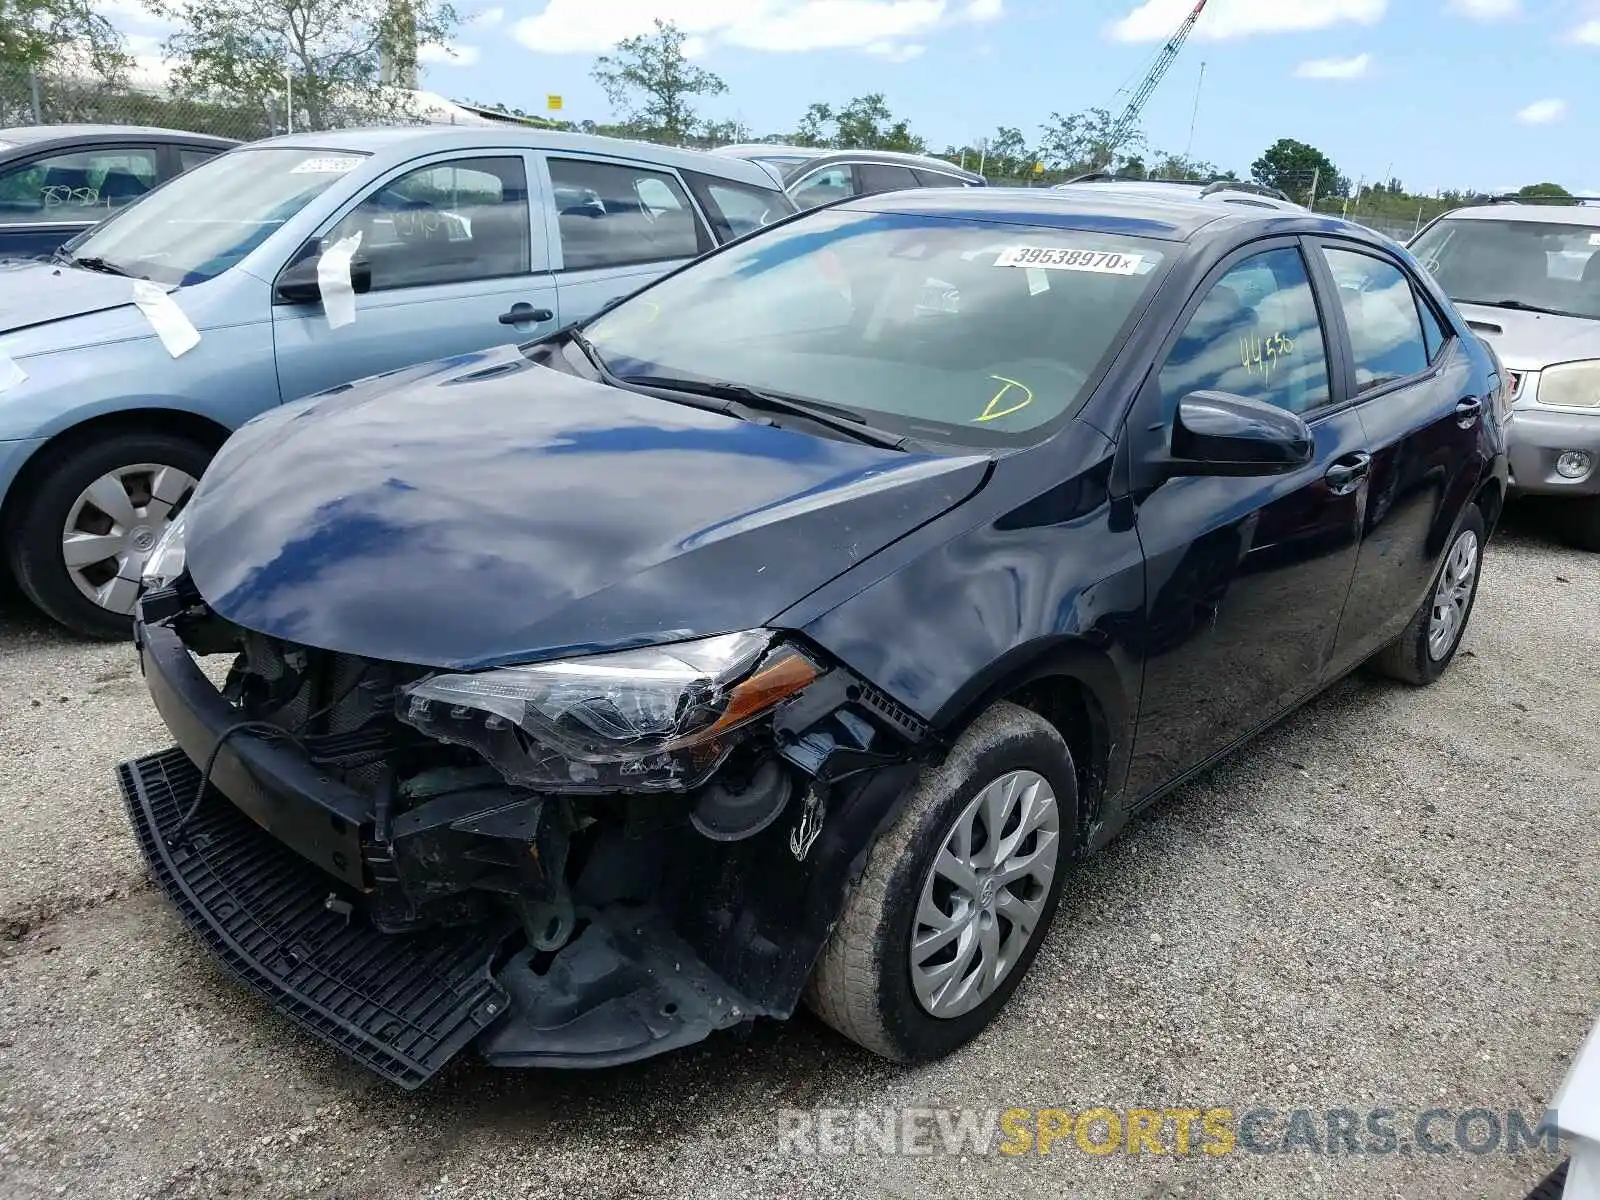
pixel 1074 684
pixel 177 422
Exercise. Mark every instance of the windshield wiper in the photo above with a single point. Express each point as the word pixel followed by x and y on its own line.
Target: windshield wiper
pixel 93 263
pixel 1524 306
pixel 741 395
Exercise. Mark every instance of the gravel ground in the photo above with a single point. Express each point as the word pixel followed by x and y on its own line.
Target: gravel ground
pixel 1388 900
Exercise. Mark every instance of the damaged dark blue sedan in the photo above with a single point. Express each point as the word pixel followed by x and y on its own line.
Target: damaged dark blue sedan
pixel 789 630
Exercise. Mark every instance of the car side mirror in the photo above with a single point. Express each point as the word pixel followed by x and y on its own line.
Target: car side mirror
pixel 1219 433
pixel 298 284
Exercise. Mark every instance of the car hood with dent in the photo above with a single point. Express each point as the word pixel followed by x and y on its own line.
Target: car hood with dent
pixel 485 510
pixel 1530 341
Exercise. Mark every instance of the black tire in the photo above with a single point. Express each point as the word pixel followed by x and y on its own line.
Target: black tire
pixel 862 983
pixel 33 534
pixel 1408 658
pixel 1579 523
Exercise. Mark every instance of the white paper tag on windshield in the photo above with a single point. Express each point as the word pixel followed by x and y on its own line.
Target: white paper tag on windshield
pixel 325 166
pixel 1053 258
pixel 10 373
pixel 333 281
pixel 1594 239
pixel 174 329
pixel 1038 281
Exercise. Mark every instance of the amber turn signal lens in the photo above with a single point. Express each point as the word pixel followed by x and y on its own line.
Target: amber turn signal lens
pixel 778 679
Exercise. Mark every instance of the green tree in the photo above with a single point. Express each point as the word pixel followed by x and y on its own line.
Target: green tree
pixel 1545 190
pixel 725 133
pixel 341 55
pixel 865 123
pixel 1295 167
pixel 650 83
pixel 1082 141
pixel 36 35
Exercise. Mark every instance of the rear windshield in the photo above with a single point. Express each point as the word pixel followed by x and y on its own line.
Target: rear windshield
pixel 1544 266
pixel 956 330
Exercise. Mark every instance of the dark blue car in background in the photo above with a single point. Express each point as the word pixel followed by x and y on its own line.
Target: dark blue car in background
pixel 789 630
pixel 58 180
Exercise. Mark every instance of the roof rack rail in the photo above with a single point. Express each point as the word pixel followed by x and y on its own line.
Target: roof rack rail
pixel 1514 198
pixel 1245 185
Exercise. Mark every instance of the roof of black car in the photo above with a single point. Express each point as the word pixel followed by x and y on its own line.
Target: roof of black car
pixel 1136 216
pixel 30 134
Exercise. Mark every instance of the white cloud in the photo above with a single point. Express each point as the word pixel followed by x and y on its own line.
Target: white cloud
pixel 1542 112
pixel 488 18
pixel 457 55
pixel 1335 68
pixel 889 28
pixel 1588 33
pixel 1487 10
pixel 696 47
pixel 1155 20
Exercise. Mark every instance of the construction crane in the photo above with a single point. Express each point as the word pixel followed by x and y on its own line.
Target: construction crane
pixel 1123 129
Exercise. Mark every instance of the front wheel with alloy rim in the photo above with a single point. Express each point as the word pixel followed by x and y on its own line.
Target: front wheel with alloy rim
pixel 1429 644
pixel 957 894
pixel 88 518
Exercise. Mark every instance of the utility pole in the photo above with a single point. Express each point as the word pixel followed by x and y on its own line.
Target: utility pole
pixel 1316 180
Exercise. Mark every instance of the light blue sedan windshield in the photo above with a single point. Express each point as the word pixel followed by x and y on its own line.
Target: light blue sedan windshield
pixel 958 330
pixel 206 220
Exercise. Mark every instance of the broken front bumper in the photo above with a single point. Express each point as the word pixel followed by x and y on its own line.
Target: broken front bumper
pixel 404 1004
pixel 275 872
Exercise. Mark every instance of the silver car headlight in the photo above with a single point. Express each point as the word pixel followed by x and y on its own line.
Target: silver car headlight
pixel 168 556
pixel 657 719
pixel 1571 385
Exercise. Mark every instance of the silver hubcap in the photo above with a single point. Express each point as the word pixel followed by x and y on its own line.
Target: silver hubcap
pixel 984 898
pixel 113 526
pixel 1451 597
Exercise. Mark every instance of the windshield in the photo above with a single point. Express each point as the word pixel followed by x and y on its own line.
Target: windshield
pixel 945 329
pixel 206 220
pixel 1549 266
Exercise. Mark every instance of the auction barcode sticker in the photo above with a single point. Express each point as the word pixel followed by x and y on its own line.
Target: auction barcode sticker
pixel 1102 262
pixel 325 166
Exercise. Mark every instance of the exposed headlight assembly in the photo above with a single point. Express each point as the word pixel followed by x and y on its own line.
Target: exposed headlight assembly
pixel 655 720
pixel 168 557
pixel 1571 385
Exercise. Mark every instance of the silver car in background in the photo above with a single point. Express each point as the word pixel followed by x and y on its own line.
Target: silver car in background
pixel 1527 279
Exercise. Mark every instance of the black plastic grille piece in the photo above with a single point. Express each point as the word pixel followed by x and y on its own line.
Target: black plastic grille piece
pixel 402 1005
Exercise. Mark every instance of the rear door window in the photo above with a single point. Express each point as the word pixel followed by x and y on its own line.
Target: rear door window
pixel 612 215
pixel 885 177
pixel 937 178
pixel 1380 311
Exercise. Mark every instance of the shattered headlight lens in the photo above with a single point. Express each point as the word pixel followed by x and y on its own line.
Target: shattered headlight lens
pixel 656 719
pixel 1571 385
pixel 168 557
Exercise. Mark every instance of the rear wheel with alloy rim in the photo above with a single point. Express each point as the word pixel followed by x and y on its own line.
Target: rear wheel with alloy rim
pixel 957 894
pixel 88 519
pixel 1429 644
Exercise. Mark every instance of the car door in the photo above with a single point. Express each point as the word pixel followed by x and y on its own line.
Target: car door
pixel 458 260
pixel 1421 404
pixel 616 225
pixel 50 198
pixel 1245 577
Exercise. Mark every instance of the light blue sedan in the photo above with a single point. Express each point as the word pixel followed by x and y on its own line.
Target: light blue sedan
pixel 290 266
